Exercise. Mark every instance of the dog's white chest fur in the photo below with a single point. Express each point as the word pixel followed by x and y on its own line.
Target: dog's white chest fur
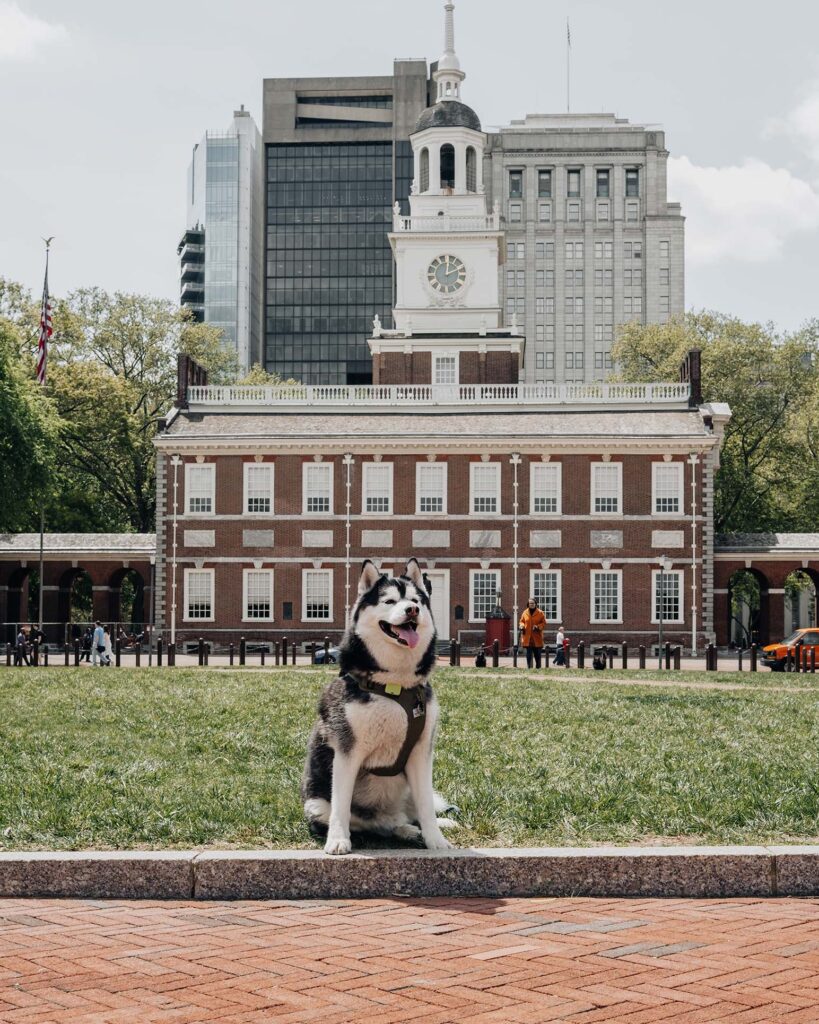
pixel 380 728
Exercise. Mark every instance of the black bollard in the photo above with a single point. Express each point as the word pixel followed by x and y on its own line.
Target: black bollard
pixel 45 655
pixel 625 655
pixel 231 654
pixel 327 650
pixel 171 655
pixel 677 657
pixel 495 653
pixel 451 653
pixel 159 652
pixel 67 653
pixel 284 651
pixel 568 649
pixel 201 651
pixel 457 652
pixel 207 653
pixel 753 657
pixel 813 660
pixel 739 659
pixel 35 653
pixel 8 656
pixel 545 656
pixel 641 655
pixel 117 652
pixel 293 648
pixel 668 657
pixel 581 654
pixel 262 653
pixel 276 652
pixel 138 654
pixel 242 650
pixel 610 656
pixel 514 655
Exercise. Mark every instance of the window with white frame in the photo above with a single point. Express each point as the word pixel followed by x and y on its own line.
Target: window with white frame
pixel 317 595
pixel 664 250
pixel 606 597
pixel 515 213
pixel 544 587
pixel 258 488
pixel 257 594
pixel 445 368
pixel 667 591
pixel 667 488
pixel 544 488
pixel 377 488
pixel 200 486
pixel 430 488
pixel 317 488
pixel 199 595
pixel 483 593
pixel 484 487
pixel 545 212
pixel 607 488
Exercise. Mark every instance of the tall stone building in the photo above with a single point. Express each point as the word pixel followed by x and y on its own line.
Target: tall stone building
pixel 592 241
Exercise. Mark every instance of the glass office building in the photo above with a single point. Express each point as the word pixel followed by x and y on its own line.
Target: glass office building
pixel 337 156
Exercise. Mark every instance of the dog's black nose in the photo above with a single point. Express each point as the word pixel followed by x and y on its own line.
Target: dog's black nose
pixel 412 611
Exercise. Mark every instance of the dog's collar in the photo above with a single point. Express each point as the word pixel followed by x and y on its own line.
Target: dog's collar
pixel 393 690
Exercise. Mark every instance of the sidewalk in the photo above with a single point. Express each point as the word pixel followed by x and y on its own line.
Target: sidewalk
pixel 437 961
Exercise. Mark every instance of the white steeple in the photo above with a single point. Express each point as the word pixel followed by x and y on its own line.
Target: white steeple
pixel 448 76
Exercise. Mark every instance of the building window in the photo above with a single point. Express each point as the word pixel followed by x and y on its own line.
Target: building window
pixel 607 488
pixel 258 489
pixel 544 587
pixel 447 166
pixel 445 368
pixel 539 305
pixel 540 278
pixel 471 169
pixel 602 211
pixel 483 593
pixel 425 170
pixel 317 595
pixel 667 589
pixel 430 488
pixel 663 250
pixel 540 333
pixel 257 587
pixel 484 488
pixel 545 212
pixel 199 595
pixel 574 212
pixel 667 488
pixel 550 250
pixel 550 278
pixel 632 212
pixel 574 250
pixel 521 279
pixel 573 184
pixel 515 184
pixel 510 279
pixel 539 361
pixel 550 360
pixel 663 275
pixel 376 485
pixel 545 488
pixel 317 488
pixel 200 486
pixel 604 250
pixel 603 185
pixel 632 181
pixel 665 306
pixel 544 184
pixel 606 605
pixel 540 250
pixel 520 250
pixel 515 213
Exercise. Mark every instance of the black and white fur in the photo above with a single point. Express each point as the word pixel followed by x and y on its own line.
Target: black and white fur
pixel 391 639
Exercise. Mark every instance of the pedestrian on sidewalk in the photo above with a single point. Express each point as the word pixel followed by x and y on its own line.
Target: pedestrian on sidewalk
pixel 560 647
pixel 532 626
pixel 21 649
pixel 98 645
pixel 87 641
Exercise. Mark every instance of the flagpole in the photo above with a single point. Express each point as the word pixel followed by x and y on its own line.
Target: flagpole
pixel 568 67
pixel 44 319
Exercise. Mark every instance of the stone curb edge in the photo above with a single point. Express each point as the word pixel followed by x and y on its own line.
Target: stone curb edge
pixel 692 871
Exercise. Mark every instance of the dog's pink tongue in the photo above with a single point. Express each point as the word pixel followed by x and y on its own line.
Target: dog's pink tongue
pixel 409 635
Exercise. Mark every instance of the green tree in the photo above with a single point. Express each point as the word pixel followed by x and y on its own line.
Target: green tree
pixel 29 430
pixel 767 379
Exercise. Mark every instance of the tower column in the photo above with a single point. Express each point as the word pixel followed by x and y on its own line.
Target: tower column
pixel 460 167
pixel 435 167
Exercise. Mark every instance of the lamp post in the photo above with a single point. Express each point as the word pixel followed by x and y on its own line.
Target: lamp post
pixel 176 462
pixel 663 571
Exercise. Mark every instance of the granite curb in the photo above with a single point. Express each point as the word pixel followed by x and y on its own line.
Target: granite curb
pixel 646 871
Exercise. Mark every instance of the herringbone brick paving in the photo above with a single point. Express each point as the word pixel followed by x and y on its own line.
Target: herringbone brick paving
pixel 436 961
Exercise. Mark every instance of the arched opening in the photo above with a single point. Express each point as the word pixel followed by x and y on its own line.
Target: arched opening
pixel 447 166
pixel 471 169
pixel 75 602
pixel 425 170
pixel 126 600
pixel 748 618
pixel 801 600
pixel 17 602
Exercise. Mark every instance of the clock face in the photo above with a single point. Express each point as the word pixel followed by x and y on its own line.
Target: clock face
pixel 446 274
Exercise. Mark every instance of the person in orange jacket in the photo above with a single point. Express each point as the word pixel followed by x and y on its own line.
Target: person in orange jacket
pixel 532 626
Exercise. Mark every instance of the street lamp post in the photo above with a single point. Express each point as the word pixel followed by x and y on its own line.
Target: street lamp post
pixel 663 571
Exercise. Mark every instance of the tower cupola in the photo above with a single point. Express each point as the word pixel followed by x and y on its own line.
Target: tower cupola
pixel 448 75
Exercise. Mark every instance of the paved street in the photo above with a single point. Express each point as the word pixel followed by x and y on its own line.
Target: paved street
pixel 388 961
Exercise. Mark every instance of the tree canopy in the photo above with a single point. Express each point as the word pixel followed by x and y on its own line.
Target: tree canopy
pixel 769 475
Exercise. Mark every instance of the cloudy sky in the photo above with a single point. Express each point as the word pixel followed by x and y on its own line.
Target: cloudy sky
pixel 102 103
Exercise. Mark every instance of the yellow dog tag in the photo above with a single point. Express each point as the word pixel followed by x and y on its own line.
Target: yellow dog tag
pixel 394 689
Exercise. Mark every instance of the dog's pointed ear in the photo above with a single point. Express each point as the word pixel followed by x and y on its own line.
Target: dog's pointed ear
pixel 370 575
pixel 414 575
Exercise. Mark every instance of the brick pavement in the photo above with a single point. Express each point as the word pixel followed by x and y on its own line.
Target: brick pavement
pixel 470 961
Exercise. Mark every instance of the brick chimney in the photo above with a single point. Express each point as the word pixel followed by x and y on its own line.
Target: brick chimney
pixel 188 374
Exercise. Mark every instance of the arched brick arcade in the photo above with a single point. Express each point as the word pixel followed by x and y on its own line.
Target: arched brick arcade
pixel 770 558
pixel 109 560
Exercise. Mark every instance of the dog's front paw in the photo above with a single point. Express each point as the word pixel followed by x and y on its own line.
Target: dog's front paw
pixel 437 842
pixel 337 845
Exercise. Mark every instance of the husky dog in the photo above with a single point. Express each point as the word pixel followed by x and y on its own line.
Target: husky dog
pixel 369 758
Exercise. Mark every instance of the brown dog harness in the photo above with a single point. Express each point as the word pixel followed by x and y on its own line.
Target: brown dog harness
pixel 414 702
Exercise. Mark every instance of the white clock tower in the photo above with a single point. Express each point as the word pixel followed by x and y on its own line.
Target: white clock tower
pixel 448 251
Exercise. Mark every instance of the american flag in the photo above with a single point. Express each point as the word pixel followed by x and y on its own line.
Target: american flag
pixel 45 329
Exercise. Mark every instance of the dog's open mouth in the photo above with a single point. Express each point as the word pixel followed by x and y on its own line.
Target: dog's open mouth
pixel 406 634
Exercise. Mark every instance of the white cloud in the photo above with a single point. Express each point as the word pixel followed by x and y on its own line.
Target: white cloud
pixel 22 35
pixel 803 121
pixel 744 213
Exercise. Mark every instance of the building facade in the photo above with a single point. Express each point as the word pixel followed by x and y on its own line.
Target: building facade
pixel 592 241
pixel 596 498
pixel 337 157
pixel 221 251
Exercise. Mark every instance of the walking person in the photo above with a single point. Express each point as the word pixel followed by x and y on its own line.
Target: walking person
pixel 107 659
pixel 21 649
pixel 87 641
pixel 532 626
pixel 560 647
pixel 98 645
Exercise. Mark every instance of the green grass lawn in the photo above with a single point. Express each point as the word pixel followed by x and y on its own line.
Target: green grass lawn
pixel 181 758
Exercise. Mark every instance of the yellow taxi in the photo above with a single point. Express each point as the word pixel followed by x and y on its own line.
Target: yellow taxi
pixel 775 655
